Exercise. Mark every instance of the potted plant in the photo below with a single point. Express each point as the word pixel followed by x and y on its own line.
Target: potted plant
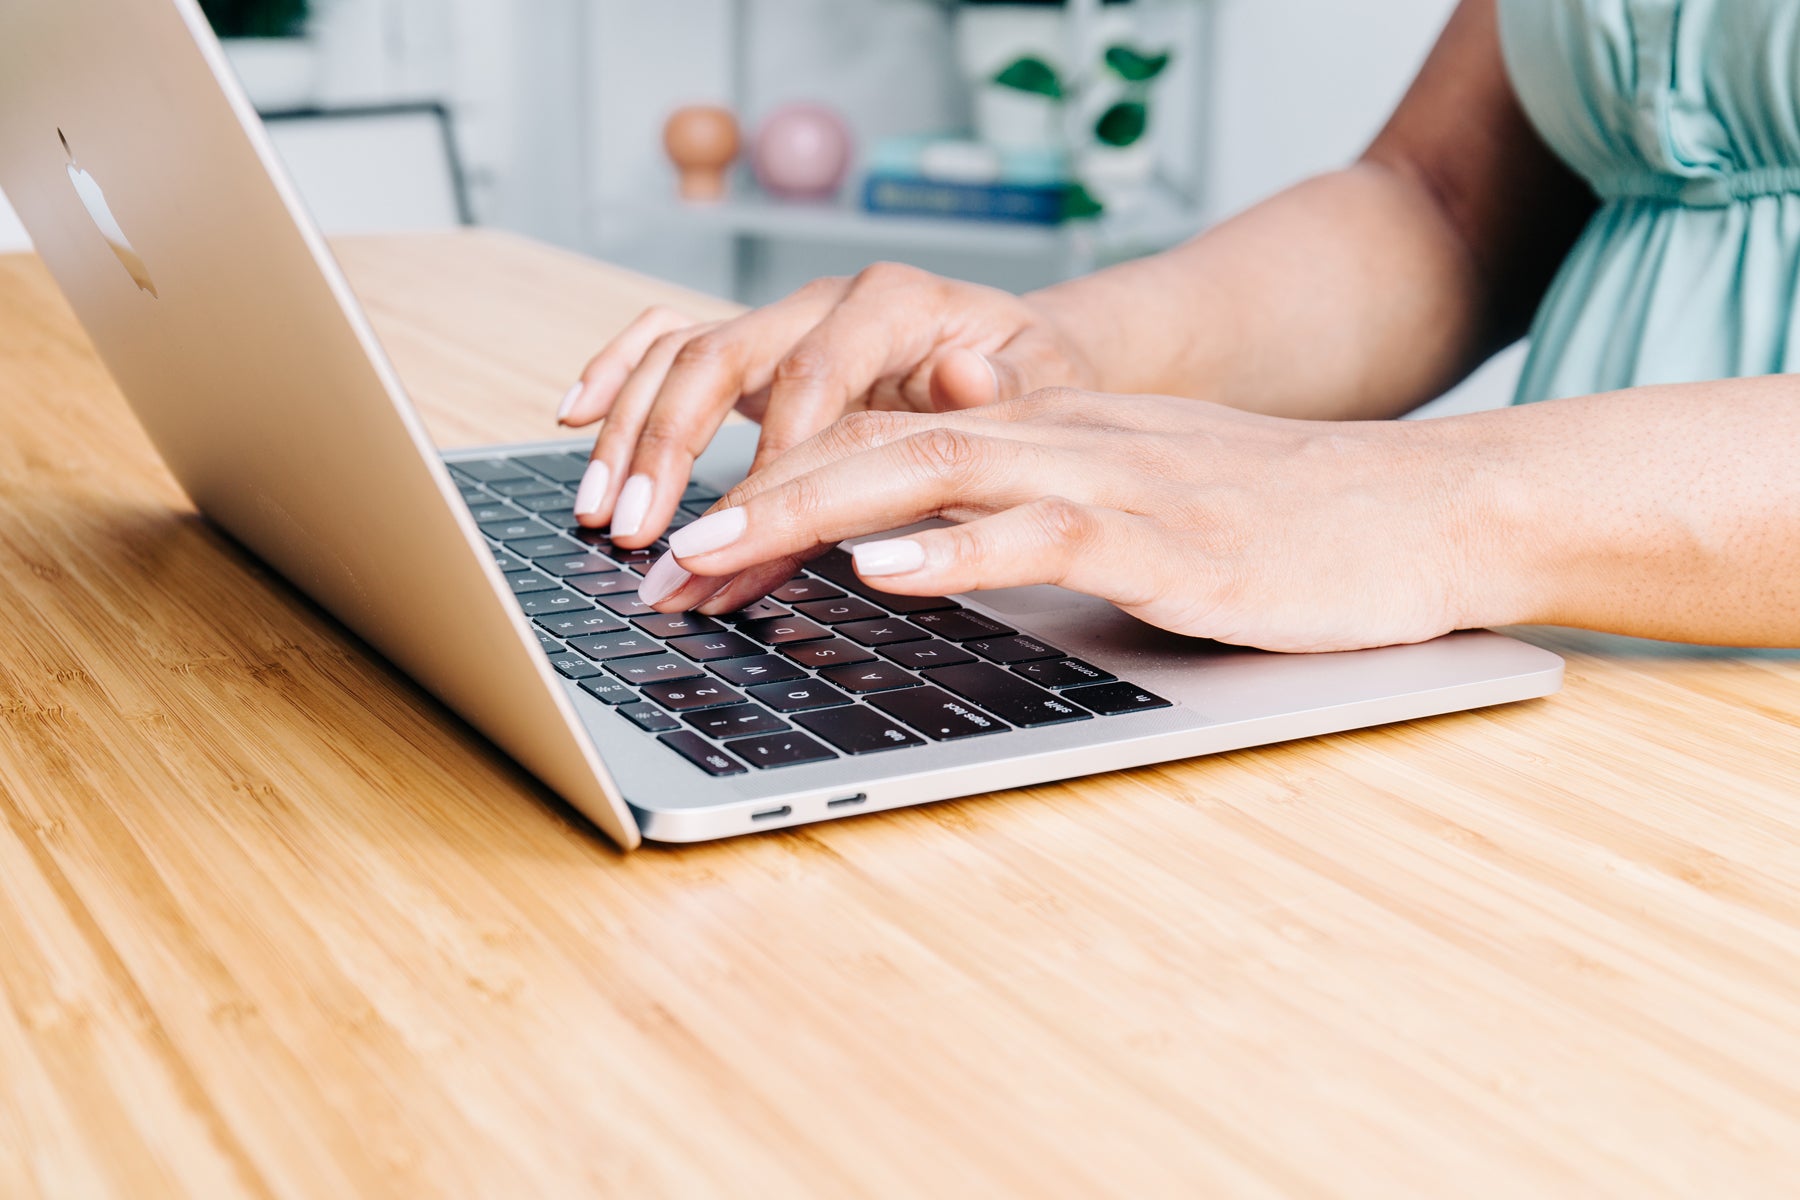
pixel 1096 113
pixel 267 43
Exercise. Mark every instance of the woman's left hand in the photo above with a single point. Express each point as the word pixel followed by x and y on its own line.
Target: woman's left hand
pixel 1259 531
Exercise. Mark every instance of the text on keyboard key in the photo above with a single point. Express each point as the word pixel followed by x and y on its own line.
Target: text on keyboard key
pixel 579 564
pixel 574 625
pixel 836 612
pixel 919 655
pixel 652 668
pixel 1061 673
pixel 796 591
pixel 798 695
pixel 764 668
pixel 937 714
pixel 613 583
pixel 610 691
pixel 869 677
pixel 573 666
pixel 857 730
pixel 961 625
pixel 604 647
pixel 674 625
pixel 690 695
pixel 543 604
pixel 737 720
pixel 711 647
pixel 784 631
pixel 648 717
pixel 1015 649
pixel 1006 695
pixel 827 654
pixel 788 749
pixel 881 632
pixel 1111 699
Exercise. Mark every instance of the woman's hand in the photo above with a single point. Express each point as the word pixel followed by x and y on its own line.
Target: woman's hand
pixel 891 338
pixel 1260 531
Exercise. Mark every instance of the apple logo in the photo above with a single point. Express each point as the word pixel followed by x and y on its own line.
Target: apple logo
pixel 94 200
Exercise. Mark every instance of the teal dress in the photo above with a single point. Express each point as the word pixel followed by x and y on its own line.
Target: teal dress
pixel 1684 117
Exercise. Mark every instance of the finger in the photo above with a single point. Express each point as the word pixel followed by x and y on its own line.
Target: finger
pixel 747 587
pixel 966 377
pixel 711 371
pixel 1087 548
pixel 885 322
pixel 941 471
pixel 604 479
pixel 668 586
pixel 607 371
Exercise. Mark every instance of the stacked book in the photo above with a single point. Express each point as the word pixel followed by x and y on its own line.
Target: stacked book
pixel 939 177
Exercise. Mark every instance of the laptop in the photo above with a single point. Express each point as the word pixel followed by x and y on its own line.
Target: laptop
pixel 150 189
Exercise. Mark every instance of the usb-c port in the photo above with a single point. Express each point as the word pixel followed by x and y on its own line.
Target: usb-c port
pixel 847 801
pixel 772 814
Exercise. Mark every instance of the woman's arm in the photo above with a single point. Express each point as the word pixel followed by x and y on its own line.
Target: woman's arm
pixel 1363 293
pixel 1660 512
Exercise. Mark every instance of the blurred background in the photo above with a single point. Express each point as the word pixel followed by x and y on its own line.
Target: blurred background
pixel 744 146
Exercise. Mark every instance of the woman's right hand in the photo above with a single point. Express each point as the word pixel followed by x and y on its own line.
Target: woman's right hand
pixel 892 337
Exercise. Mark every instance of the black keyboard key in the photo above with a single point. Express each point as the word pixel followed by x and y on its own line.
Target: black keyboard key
pixel 635 560
pixel 472 494
pixel 937 714
pixel 869 677
pixel 919 655
pixel 961 625
pixel 574 625
pixel 713 647
pixel 611 691
pixel 699 493
pixel 613 583
pixel 762 610
pixel 559 467
pixel 831 653
pixel 547 547
pixel 692 695
pixel 764 668
pixel 523 583
pixel 648 717
pixel 784 631
pixel 1062 673
pixel 604 647
pixel 548 604
pixel 1111 699
pixel 626 604
pixel 573 666
pixel 1006 695
pixel 1015 649
pixel 494 511
pixel 555 506
pixel 739 720
pixel 857 730
pixel 489 470
pixel 516 529
pixel 580 564
pixel 836 612
pixel 881 632
pixel 674 625
pixel 798 696
pixel 798 591
pixel 788 749
pixel 548 644
pixel 653 668
pixel 521 487
pixel 837 566
pixel 508 562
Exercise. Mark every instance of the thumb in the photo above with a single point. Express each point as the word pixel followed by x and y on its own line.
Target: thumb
pixel 964 378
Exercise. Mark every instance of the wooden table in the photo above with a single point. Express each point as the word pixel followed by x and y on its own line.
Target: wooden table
pixel 274 923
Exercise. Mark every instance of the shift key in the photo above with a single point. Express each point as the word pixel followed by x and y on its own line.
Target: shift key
pixel 1006 695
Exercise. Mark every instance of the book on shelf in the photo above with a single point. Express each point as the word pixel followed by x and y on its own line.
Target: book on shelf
pixel 956 178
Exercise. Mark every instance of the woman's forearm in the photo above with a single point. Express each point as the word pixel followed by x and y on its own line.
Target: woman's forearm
pixel 1668 512
pixel 1347 297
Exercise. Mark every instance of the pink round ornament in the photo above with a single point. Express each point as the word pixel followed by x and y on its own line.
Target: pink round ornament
pixel 802 152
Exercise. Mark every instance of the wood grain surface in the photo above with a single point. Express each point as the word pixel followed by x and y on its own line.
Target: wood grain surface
pixel 273 923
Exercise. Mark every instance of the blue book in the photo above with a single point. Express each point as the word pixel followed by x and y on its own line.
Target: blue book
pixel 911 196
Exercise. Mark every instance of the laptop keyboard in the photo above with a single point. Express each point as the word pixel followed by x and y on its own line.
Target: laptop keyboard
pixel 824 667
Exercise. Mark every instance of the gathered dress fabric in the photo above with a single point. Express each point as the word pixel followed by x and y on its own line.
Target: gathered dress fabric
pixel 1684 118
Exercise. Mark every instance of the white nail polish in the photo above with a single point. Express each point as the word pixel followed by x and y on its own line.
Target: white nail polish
pixel 568 402
pixel 888 558
pixel 593 488
pixel 633 506
pixel 712 532
pixel 663 580
pixel 989 364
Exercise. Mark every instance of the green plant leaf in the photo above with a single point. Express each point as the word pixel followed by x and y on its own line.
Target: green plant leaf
pixel 1134 66
pixel 1079 204
pixel 1122 124
pixel 1032 75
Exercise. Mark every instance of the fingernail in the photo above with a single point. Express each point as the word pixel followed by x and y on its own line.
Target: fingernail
pixel 888 558
pixel 712 532
pixel 986 362
pixel 633 506
pixel 568 402
pixel 593 488
pixel 663 580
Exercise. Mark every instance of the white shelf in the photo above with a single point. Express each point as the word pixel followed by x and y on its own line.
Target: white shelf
pixel 1162 220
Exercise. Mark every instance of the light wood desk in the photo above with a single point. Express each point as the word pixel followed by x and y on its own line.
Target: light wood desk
pixel 272 923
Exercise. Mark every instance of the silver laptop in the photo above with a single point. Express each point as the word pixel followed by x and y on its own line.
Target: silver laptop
pixel 150 189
